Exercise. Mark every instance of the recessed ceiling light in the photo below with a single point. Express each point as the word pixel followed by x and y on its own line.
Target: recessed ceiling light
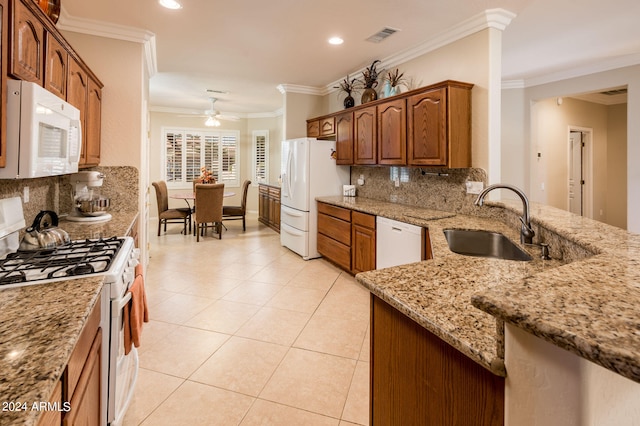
pixel 170 4
pixel 336 40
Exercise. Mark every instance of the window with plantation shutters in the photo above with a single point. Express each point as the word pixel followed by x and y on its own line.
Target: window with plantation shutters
pixel 186 151
pixel 260 156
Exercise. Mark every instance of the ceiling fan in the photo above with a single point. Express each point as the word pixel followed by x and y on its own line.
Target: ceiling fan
pixel 213 116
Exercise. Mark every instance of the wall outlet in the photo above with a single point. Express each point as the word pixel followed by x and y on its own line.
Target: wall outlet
pixel 25 194
pixel 396 182
pixel 361 180
pixel 474 187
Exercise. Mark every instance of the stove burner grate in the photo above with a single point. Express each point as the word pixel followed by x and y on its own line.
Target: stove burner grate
pixel 81 257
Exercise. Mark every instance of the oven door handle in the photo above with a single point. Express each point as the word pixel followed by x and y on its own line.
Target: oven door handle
pixel 120 304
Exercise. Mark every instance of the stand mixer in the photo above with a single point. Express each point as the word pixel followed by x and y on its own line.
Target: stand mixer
pixel 88 204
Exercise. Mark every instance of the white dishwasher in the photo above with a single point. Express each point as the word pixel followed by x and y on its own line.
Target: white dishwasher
pixel 397 243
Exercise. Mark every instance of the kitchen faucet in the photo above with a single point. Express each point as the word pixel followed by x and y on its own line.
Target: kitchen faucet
pixel 526 232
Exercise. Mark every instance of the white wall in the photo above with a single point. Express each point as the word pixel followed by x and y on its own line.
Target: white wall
pixel 244 126
pixel 629 76
pixel 549 386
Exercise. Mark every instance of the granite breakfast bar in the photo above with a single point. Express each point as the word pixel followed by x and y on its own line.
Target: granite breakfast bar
pixel 586 303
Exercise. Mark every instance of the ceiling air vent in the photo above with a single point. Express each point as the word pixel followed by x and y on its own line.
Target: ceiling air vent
pixel 614 92
pixel 382 34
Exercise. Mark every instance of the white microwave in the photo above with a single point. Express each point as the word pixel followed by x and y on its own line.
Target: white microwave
pixel 44 136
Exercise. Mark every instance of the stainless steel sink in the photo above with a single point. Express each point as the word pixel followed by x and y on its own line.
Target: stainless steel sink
pixel 484 244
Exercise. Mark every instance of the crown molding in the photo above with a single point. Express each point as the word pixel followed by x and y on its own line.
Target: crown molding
pixel 512 84
pixel 490 18
pixel 71 23
pixel 607 64
pixel 305 90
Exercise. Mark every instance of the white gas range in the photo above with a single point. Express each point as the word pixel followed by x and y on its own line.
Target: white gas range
pixel 113 258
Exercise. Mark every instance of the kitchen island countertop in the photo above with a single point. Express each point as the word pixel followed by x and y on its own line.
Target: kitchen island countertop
pixel 586 304
pixel 40 325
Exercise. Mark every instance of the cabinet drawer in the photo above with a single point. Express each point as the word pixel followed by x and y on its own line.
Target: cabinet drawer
pixel 334 251
pixel 81 351
pixel 363 219
pixel 338 212
pixel 274 193
pixel 337 229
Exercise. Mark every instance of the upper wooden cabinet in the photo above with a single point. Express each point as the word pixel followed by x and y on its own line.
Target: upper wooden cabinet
pixel 313 128
pixel 86 95
pixel 39 53
pixel 392 133
pixel 27 44
pixel 4 19
pixel 366 136
pixel 324 127
pixel 440 127
pixel 93 123
pixel 344 138
pixel 55 73
pixel 430 126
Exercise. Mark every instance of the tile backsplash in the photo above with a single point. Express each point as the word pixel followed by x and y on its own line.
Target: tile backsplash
pixel 433 188
pixel 54 193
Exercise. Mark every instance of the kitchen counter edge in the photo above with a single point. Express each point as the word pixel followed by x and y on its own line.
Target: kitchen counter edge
pixel 39 329
pixel 555 303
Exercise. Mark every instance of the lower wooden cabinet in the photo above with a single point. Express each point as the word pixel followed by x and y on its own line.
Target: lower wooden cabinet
pixel 347 238
pixel 363 242
pixel 53 417
pixel 269 206
pixel 418 379
pixel 81 381
pixel 334 234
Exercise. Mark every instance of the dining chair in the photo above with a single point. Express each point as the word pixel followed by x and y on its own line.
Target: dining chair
pixel 165 214
pixel 238 212
pixel 209 197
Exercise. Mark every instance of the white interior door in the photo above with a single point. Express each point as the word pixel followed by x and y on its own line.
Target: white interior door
pixel 576 180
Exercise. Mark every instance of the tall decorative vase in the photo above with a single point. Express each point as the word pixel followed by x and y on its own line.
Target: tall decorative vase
pixel 369 94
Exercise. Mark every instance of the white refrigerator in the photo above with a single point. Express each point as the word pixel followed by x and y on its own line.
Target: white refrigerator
pixel 308 170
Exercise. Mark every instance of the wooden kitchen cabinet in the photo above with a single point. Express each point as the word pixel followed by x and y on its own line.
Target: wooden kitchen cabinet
pixel 366 136
pixel 392 133
pixel 4 33
pixel 323 127
pixel 53 417
pixel 439 127
pixel 334 234
pixel 313 128
pixel 85 93
pixel 56 67
pixel 81 378
pixel 344 139
pixel 418 379
pixel 93 123
pixel 40 54
pixel 430 126
pixel 363 242
pixel 27 43
pixel 327 126
pixel 269 206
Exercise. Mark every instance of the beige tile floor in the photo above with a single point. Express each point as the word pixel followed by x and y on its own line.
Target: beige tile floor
pixel 245 332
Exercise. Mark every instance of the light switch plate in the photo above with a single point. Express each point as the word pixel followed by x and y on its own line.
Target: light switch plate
pixel 474 187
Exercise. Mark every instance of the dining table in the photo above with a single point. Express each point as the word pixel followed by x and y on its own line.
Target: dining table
pixel 191 196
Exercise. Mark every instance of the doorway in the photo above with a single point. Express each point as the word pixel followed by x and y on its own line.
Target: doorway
pixel 580 168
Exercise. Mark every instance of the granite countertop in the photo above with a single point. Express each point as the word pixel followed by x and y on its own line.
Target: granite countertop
pixel 40 325
pixel 586 305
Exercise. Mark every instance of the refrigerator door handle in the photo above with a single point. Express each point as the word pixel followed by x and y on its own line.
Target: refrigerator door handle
pixel 289 167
